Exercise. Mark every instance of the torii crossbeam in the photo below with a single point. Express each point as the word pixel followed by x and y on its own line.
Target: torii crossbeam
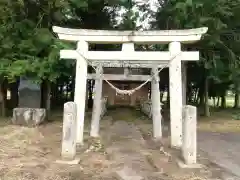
pixel 148 59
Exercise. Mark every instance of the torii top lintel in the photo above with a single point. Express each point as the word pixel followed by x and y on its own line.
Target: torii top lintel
pixel 140 37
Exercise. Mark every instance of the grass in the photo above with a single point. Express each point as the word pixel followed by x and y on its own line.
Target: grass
pixel 229 101
pixel 221 121
pixel 30 153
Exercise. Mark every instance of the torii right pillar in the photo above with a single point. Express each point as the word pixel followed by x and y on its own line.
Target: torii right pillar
pixel 176 99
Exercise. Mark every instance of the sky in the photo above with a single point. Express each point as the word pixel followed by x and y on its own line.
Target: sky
pixel 153 5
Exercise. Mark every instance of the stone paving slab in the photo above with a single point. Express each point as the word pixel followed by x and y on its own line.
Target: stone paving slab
pixel 125 149
pixel 223 149
pixel 128 174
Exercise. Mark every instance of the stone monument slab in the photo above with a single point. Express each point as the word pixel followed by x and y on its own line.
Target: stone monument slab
pixel 29 112
pixel 29 94
pixel 189 144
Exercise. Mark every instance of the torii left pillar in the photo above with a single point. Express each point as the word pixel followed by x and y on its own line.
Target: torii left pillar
pixel 80 90
pixel 156 105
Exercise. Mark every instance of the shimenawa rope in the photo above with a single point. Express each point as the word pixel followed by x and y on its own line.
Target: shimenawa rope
pixel 131 91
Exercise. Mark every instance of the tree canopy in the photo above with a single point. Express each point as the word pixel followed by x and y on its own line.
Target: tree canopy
pixel 29 47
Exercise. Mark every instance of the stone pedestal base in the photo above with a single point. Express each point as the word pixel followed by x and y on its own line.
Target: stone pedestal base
pixel 181 164
pixel 127 174
pixel 72 162
pixel 28 116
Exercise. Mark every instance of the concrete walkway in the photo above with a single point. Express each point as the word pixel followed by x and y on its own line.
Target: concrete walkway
pixel 222 148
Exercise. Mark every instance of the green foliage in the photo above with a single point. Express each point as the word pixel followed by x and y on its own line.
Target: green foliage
pixel 236 116
pixel 219 59
pixel 29 48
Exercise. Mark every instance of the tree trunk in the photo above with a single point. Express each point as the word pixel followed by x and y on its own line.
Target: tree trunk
pixel 48 98
pixel 161 96
pixel 236 102
pixel 184 84
pixel 206 97
pixel 223 102
pixel 196 96
pixel 61 94
pixel 218 101
pixel 90 91
pixel 190 95
pixel 201 97
pixel 214 101
pixel 149 93
pixel 54 89
pixel 14 94
pixel 168 97
pixel 3 97
pixel 67 91
pixel 72 87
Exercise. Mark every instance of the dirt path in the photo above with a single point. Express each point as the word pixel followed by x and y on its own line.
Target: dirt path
pixel 222 148
pixel 131 147
pixel 125 148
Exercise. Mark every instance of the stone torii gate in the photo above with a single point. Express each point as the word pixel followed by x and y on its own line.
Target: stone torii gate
pixel 152 60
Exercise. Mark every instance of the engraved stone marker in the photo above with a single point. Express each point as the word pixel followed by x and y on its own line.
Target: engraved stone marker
pixel 29 94
pixel 29 112
pixel 189 148
pixel 69 131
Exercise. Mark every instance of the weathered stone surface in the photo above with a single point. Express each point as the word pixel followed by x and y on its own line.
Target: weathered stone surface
pixel 97 103
pixel 175 85
pixel 104 106
pixel 146 108
pixel 29 94
pixel 28 116
pixel 69 131
pixel 99 106
pixel 228 176
pixel 156 105
pixel 126 145
pixel 189 146
pixel 80 89
pixel 223 149
pixel 128 39
pixel 110 36
pixel 128 174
